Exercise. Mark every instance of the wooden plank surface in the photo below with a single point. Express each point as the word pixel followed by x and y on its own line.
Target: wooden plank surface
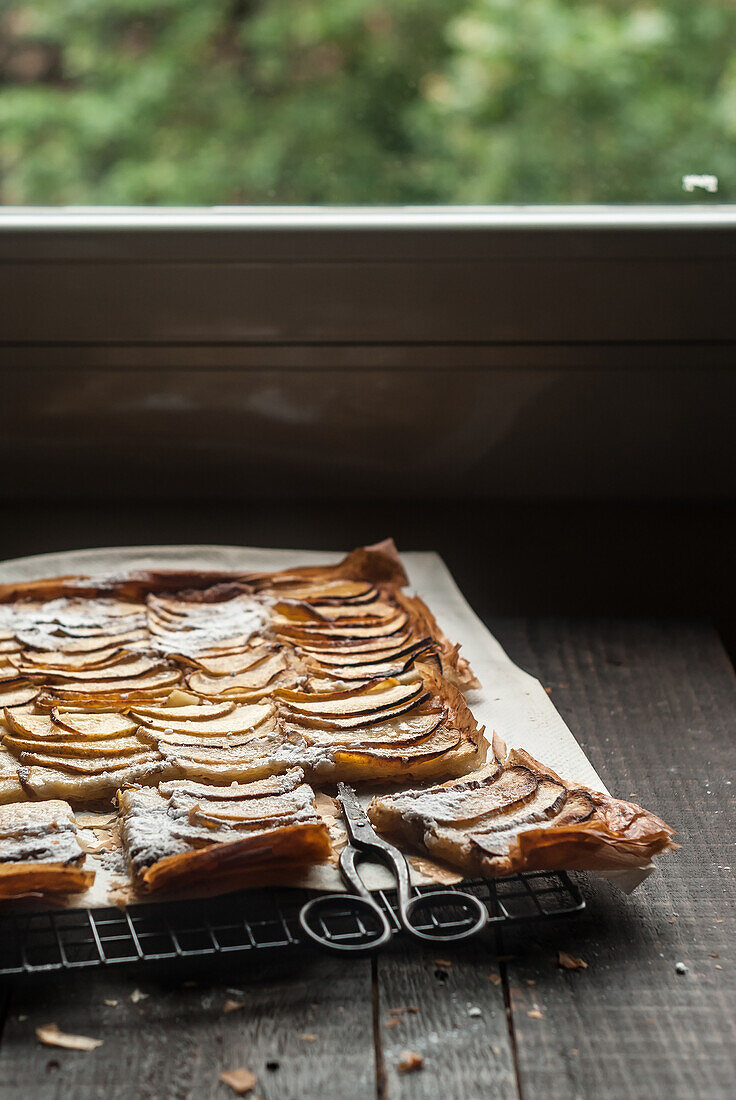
pixel 305 1029
pixel 460 1028
pixel 654 705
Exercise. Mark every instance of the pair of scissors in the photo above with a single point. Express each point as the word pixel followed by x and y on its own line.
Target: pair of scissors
pixel 364 841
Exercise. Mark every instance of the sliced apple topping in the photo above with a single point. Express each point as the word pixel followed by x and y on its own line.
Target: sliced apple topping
pixel 176 837
pixel 519 816
pixel 240 719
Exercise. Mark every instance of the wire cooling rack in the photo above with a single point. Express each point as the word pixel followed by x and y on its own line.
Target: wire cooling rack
pixel 246 921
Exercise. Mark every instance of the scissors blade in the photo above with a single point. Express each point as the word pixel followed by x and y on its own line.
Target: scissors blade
pixel 357 824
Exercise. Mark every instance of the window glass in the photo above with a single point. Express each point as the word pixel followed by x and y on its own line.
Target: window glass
pixel 221 102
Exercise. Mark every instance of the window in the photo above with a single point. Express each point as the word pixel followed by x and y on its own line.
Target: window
pixel 241 102
pixel 309 234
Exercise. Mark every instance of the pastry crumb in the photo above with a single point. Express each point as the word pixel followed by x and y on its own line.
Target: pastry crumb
pixel 50 1036
pixel 240 1080
pixel 570 962
pixel 409 1062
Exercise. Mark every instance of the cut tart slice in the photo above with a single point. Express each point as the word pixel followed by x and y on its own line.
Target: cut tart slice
pixel 188 834
pixel 39 851
pixel 520 816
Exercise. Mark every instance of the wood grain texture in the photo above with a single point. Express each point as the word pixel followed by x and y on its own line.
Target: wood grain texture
pixel 174 1044
pixel 654 705
pixel 460 1030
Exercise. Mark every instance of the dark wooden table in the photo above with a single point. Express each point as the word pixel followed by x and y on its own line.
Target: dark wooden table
pixel 654 705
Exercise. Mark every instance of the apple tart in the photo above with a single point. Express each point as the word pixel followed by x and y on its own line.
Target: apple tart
pixel 210 700
pixel 520 816
pixel 184 833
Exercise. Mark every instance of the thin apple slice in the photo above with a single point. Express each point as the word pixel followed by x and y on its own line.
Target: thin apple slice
pixel 385 629
pixel 547 802
pixel 118 746
pixel 82 689
pixel 94 726
pixel 356 614
pixel 88 765
pixel 387 670
pixel 350 721
pixel 45 642
pixel 258 676
pixel 194 712
pixel 90 727
pixel 47 701
pixel 408 729
pixel 171 742
pixel 339 591
pixel 440 743
pixel 18 694
pixel 356 646
pixel 383 696
pixel 342 659
pixel 510 788
pixel 240 720
pixel 220 757
pixel 298 696
pixel 57 662
pixel 40 782
pixel 300 612
pixel 578 808
pixel 229 664
pixel 109 628
pixel 275 784
pixel 249 811
pixel 126 668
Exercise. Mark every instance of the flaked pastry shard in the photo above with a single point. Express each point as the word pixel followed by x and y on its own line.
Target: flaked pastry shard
pixel 39 851
pixel 520 816
pixel 185 833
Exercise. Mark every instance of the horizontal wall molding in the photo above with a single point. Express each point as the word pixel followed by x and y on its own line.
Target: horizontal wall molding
pixel 393 278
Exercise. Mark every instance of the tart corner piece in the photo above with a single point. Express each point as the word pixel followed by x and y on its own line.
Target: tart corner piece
pixel 519 816
pixel 39 851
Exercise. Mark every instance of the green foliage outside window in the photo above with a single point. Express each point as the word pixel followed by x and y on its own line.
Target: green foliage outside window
pixel 218 102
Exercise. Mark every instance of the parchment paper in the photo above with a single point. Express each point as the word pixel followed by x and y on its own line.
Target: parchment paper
pixel 510 701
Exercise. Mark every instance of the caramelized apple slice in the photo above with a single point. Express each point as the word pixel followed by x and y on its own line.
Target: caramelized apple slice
pixel 257 676
pixel 240 719
pixel 90 765
pixel 508 789
pixel 43 727
pixel 94 726
pixel 118 746
pixel 196 712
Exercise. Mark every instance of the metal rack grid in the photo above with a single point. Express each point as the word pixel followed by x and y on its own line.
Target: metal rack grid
pixel 245 921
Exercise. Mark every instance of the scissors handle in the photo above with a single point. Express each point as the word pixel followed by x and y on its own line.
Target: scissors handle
pixel 474 913
pixel 474 922
pixel 313 917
